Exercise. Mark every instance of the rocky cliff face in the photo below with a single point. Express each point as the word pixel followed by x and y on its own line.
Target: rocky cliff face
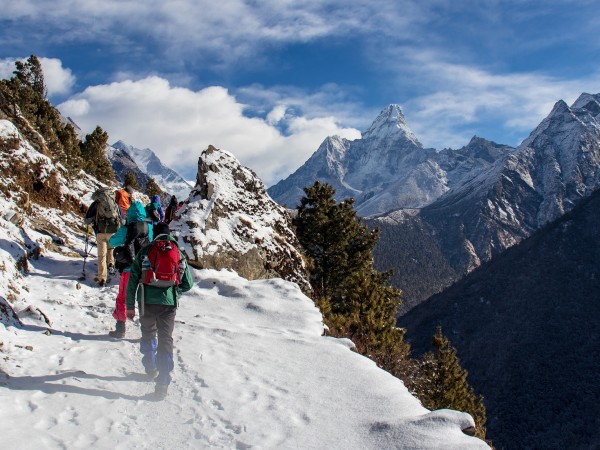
pixel 494 208
pixel 230 222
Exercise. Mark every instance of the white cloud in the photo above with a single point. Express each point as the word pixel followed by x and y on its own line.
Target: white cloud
pixel 459 99
pixel 178 123
pixel 58 80
pixel 225 31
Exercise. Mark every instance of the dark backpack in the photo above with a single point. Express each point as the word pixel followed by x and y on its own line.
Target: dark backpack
pixel 136 238
pixel 163 265
pixel 152 213
pixel 108 216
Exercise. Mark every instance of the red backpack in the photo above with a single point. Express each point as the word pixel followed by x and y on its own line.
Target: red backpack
pixel 163 265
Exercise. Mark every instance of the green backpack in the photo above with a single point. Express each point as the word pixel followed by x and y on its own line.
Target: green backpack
pixel 108 216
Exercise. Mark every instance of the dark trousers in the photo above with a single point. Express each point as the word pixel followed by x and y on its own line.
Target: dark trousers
pixel 158 321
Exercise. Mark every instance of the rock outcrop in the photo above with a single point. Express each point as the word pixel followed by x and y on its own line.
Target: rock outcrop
pixel 230 222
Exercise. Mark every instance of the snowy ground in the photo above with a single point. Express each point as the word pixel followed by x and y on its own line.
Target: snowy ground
pixel 251 371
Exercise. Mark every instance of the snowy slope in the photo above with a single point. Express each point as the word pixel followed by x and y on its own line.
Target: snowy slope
pixel 252 371
pixel 252 367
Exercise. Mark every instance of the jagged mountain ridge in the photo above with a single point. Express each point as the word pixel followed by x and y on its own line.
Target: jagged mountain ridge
pixel 531 315
pixel 388 168
pixel 122 163
pixel 549 173
pixel 148 163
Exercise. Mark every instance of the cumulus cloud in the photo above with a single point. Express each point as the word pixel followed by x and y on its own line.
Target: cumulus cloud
pixel 58 79
pixel 178 123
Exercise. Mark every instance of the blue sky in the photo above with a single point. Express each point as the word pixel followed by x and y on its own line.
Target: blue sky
pixel 269 80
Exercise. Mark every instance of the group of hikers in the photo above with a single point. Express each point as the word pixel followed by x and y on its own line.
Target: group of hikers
pixel 136 240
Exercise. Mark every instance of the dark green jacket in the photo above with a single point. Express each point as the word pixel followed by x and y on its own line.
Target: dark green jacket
pixel 155 295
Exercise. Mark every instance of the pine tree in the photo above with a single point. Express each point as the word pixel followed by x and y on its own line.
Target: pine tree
pixel 444 383
pixel 131 180
pixel 338 245
pixel 25 92
pixel 152 188
pixel 355 299
pixel 31 73
pixel 95 161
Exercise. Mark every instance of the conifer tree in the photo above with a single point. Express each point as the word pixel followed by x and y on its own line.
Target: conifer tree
pixel 446 384
pixel 131 180
pixel 152 188
pixel 94 158
pixel 338 244
pixel 31 73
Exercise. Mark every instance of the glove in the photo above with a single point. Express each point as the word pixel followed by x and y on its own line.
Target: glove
pixel 130 314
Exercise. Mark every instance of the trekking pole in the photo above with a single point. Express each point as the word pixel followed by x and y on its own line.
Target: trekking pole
pixel 85 255
pixel 142 302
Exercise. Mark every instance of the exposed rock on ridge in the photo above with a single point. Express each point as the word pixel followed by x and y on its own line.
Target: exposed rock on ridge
pixel 230 222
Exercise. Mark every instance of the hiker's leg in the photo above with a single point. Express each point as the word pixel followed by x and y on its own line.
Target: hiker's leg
pixel 164 353
pixel 110 258
pixel 102 244
pixel 120 308
pixel 149 342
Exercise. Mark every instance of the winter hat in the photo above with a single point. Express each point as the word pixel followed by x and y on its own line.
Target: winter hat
pixel 129 190
pixel 161 228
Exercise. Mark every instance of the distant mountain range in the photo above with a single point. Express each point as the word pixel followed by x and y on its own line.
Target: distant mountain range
pixel 150 166
pixel 526 327
pixel 443 213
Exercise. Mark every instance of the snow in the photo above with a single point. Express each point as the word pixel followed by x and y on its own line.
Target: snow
pixel 252 368
pixel 252 371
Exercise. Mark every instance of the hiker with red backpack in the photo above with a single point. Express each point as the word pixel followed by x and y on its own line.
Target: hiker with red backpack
pixel 128 241
pixel 158 275
pixel 105 218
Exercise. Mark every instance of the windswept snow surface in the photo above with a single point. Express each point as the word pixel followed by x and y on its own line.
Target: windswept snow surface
pixel 252 370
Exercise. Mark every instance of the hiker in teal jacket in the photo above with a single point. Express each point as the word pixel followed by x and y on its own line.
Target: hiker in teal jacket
pixel 158 319
pixel 128 239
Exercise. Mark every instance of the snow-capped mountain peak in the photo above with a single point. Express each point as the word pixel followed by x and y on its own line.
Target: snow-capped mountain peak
pixel 390 124
pixel 149 163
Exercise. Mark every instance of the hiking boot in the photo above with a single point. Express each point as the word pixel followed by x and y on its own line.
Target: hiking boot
pixel 160 391
pixel 152 373
pixel 101 283
pixel 117 334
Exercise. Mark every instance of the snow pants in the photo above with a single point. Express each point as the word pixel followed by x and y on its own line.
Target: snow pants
pixel 156 346
pixel 120 308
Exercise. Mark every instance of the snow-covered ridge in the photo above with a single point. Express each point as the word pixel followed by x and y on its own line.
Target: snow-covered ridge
pixel 252 367
pixel 390 124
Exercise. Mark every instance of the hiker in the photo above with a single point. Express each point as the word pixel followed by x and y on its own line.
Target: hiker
pixel 124 197
pixel 162 273
pixel 128 241
pixel 105 218
pixel 171 210
pixel 154 210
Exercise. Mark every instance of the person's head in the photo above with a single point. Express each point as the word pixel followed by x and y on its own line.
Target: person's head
pixel 156 199
pixel 129 190
pixel 161 228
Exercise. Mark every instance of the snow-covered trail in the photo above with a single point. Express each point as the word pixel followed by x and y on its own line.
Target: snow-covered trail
pixel 251 371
